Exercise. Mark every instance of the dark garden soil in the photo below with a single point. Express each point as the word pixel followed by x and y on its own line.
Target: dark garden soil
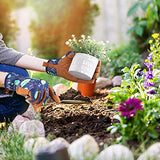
pixel 71 121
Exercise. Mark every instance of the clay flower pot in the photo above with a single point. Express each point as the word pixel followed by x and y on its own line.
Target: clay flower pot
pixel 83 66
pixel 86 89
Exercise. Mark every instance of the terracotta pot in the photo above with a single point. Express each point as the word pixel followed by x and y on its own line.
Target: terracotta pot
pixel 86 89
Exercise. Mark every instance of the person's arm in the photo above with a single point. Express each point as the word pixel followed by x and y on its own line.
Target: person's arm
pixel 31 63
pixel 2 78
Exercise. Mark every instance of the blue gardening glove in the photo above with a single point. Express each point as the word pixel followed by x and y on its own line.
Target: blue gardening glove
pixel 36 91
pixel 59 67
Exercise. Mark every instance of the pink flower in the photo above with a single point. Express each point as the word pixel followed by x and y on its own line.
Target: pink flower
pixel 130 107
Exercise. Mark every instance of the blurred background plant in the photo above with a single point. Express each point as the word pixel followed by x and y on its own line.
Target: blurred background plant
pixel 8 25
pixel 53 23
pixel 144 23
pixel 124 55
pixel 51 32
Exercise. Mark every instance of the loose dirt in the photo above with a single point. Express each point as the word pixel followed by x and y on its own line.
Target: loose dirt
pixel 71 121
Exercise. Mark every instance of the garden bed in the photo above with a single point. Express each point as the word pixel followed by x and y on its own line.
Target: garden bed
pixel 71 121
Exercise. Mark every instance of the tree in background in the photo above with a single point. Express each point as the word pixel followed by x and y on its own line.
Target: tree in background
pixel 7 25
pixel 57 20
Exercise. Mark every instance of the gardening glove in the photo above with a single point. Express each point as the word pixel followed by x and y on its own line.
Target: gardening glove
pixel 35 91
pixel 59 67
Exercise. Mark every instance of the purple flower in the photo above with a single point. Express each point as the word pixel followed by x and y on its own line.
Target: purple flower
pixel 149 75
pixel 150 56
pixel 152 92
pixel 130 107
pixel 148 84
pixel 149 65
pixel 140 73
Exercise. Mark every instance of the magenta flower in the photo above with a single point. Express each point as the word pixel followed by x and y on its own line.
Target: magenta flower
pixel 130 107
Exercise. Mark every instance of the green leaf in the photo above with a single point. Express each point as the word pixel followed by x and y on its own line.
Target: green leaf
pixel 158 3
pixel 124 125
pixel 125 83
pixel 134 67
pixel 156 14
pixel 116 89
pixel 145 4
pixel 133 9
pixel 126 69
pixel 114 130
pixel 109 128
pixel 117 117
pixel 143 23
pixel 153 134
pixel 136 72
pixel 139 31
pixel 131 29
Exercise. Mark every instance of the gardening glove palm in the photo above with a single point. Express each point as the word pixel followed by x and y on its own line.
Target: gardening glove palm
pixel 59 67
pixel 35 91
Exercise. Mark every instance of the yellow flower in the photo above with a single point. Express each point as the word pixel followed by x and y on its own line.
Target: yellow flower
pixel 151 48
pixel 146 61
pixel 155 35
pixel 150 41
pixel 2 125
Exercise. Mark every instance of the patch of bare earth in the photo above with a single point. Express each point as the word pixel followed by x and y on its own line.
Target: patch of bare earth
pixel 71 121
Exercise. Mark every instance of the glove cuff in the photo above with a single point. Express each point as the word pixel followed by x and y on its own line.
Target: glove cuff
pixel 10 81
pixel 52 71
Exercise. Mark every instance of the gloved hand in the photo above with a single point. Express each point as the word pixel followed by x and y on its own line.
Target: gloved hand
pixel 59 67
pixel 36 91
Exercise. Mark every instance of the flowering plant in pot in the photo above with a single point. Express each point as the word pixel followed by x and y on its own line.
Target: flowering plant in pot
pixel 88 53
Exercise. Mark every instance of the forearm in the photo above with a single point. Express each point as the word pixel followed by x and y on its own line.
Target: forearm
pixel 2 78
pixel 31 63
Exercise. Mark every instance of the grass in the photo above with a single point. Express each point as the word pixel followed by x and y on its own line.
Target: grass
pixel 11 147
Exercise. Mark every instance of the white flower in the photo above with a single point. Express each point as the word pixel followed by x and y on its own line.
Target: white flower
pixel 83 36
pixel 73 35
pixel 109 59
pixel 67 43
pixel 69 40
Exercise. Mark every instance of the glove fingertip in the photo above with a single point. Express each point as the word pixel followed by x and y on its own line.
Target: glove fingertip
pixel 70 54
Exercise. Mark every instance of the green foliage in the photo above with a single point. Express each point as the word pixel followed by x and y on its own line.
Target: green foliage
pixel 122 56
pixel 12 147
pixel 144 121
pixel 52 80
pixel 145 23
pixel 8 26
pixel 55 21
pixel 138 87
